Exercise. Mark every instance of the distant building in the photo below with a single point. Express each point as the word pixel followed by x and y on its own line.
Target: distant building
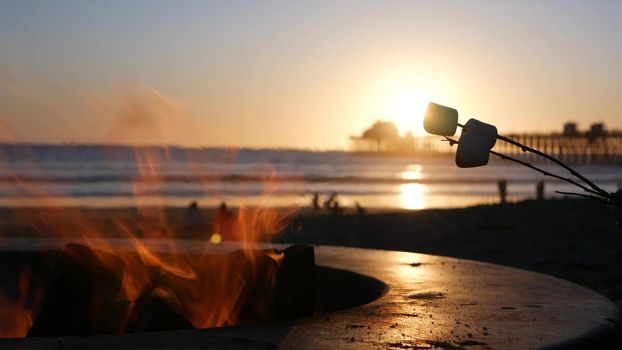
pixel 384 137
pixel 597 130
pixel 382 131
pixel 570 129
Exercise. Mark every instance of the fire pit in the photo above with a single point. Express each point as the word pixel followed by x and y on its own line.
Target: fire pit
pixel 384 299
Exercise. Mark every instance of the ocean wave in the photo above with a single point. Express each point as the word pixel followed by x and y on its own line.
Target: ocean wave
pixel 239 178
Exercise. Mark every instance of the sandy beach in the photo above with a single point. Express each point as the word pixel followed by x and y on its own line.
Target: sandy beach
pixel 576 240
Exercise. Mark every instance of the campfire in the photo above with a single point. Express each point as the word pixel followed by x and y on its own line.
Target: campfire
pixel 84 291
pixel 140 273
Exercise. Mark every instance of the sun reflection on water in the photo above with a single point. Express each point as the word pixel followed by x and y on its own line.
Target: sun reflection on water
pixel 412 172
pixel 413 196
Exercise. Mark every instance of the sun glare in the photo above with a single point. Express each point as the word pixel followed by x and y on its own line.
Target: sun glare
pixel 406 111
pixel 413 196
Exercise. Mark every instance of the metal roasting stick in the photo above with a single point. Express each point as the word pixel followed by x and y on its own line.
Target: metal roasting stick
pixel 586 196
pixel 542 171
pixel 525 148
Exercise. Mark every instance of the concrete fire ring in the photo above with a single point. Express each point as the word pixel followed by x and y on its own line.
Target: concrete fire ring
pixel 423 302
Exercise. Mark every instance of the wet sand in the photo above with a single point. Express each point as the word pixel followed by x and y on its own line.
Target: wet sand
pixel 575 240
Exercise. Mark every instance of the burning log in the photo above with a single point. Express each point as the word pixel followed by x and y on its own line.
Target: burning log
pixel 296 285
pixel 83 300
pixel 241 287
pixel 153 314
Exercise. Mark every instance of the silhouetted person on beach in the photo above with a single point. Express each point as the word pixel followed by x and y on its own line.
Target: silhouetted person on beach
pixel 334 207
pixel 359 209
pixel 222 208
pixel 328 204
pixel 193 220
pixel 616 210
pixel 223 222
pixel 503 190
pixel 315 203
pixel 540 190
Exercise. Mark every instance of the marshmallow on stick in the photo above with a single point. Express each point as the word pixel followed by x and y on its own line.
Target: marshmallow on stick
pixel 476 140
pixel 440 120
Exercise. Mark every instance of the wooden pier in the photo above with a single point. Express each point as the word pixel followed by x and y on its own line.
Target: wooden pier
pixel 603 149
pixel 586 148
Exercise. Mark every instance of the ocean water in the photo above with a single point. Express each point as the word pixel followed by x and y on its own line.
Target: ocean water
pixel 117 176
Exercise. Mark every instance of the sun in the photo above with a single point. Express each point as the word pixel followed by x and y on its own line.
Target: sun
pixel 406 110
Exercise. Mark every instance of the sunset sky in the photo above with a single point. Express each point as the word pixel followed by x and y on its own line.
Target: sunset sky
pixel 299 74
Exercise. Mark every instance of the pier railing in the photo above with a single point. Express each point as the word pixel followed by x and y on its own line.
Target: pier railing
pixel 603 149
pixel 575 149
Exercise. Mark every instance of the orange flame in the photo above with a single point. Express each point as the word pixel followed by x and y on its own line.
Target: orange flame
pixel 16 313
pixel 208 289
